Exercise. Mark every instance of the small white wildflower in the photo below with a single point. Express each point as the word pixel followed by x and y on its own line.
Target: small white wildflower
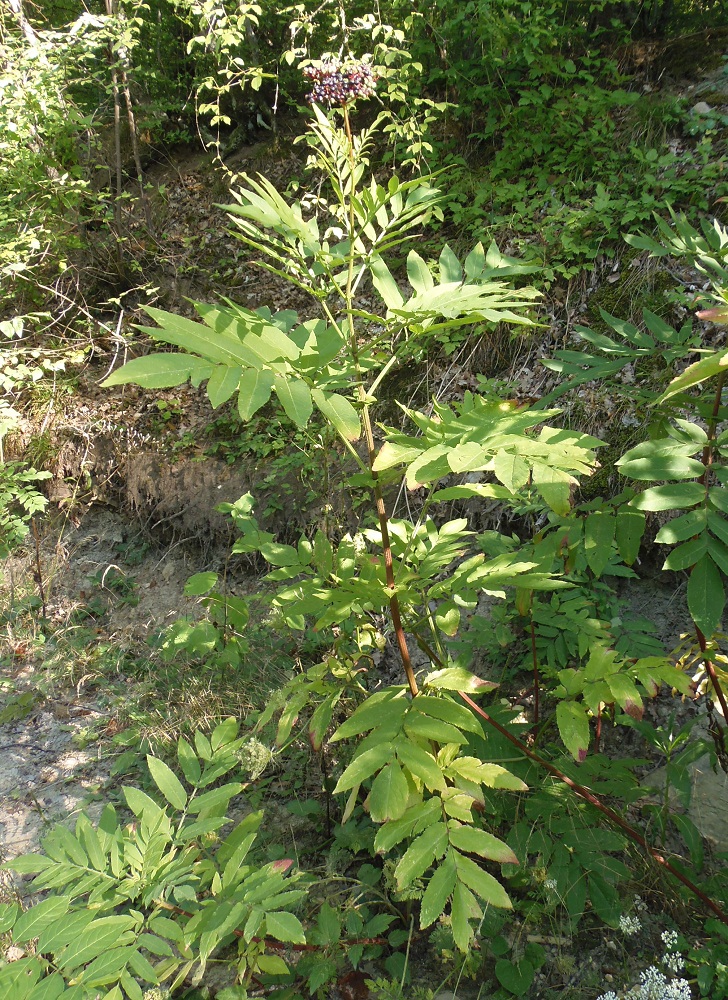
pixel 653 984
pixel 669 939
pixel 550 884
pixel 608 996
pixel 673 961
pixel 678 989
pixel 630 926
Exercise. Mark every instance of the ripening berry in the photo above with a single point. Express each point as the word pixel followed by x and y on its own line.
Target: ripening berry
pixel 336 83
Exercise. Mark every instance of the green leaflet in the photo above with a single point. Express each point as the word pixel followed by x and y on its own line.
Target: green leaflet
pixel 718 552
pixel 418 273
pixel 388 797
pixel 105 933
pixel 340 412
pixel 285 926
pixel 9 913
pixel 219 346
pixel 482 883
pixel 687 554
pixel 629 529
pixel 452 712
pixel 107 968
pixel 675 496
pixel 457 679
pixel 450 269
pixel 599 530
pixel 416 819
pixel 295 398
pixel 199 583
pixel 516 977
pixel 680 529
pixel 428 728
pixel 53 987
pixel 35 920
pixel 364 766
pixel 554 486
pixel 699 372
pixel 421 853
pixel 167 782
pixel 574 728
pixel 222 383
pixel 383 709
pixel 706 596
pixel 439 889
pixel 661 459
pixel 511 470
pixel 464 908
pixel 474 841
pixel 485 773
pixel 160 371
pixel 420 763
pixel 385 284
pixel 254 391
pixel 626 695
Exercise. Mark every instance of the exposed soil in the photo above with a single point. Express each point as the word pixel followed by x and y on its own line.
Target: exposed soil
pixel 141 519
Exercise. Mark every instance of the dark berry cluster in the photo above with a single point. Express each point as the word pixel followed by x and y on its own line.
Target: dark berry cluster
pixel 340 83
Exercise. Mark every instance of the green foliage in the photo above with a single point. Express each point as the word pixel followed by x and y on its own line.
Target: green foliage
pixel 43 187
pixel 708 961
pixel 19 501
pixel 571 152
pixel 421 782
pixel 154 900
pixel 571 858
pixel 608 680
pixel 416 777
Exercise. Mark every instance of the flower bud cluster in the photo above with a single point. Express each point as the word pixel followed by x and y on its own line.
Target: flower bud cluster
pixel 254 757
pixel 340 83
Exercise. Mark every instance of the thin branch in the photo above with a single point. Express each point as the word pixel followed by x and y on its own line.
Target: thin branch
pixel 610 814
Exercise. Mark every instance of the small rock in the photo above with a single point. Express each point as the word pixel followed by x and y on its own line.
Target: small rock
pixel 701 108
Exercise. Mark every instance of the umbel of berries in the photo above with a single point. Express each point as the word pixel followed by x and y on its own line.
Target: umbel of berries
pixel 337 83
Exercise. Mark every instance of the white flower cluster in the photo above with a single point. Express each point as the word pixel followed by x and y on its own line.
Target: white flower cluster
pixel 672 959
pixel 254 757
pixel 630 926
pixel 654 985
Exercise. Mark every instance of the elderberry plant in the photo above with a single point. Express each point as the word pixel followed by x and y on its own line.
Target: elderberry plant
pixel 410 759
pixel 414 757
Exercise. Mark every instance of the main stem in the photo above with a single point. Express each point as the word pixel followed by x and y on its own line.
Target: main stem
pixel 369 437
pixel 707 460
pixel 590 797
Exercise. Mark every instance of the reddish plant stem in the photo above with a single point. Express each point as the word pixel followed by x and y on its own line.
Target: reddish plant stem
pixel 710 669
pixel 534 658
pixel 38 568
pixel 707 460
pixel 604 810
pixel 598 733
pixel 371 447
